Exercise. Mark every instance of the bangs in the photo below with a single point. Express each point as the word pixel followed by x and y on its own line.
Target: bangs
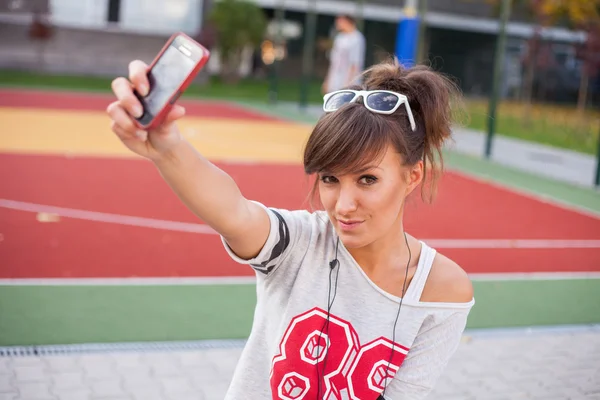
pixel 347 140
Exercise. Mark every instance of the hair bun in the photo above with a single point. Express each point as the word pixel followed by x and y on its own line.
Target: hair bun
pixel 431 96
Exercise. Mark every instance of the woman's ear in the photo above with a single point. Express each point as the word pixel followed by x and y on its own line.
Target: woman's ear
pixel 414 176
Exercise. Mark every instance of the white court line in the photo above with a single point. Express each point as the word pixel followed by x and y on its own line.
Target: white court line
pixel 108 218
pixel 250 280
pixel 205 229
pixel 534 276
pixel 512 244
pixel 137 281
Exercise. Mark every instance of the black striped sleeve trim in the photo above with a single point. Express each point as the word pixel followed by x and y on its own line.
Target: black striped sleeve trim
pixel 284 240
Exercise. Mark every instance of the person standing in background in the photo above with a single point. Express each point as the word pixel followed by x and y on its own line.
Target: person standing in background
pixel 347 56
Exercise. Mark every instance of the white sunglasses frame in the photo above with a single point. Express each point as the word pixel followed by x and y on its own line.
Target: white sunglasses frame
pixel 402 99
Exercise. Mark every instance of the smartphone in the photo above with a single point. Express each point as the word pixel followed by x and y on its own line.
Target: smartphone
pixel 171 72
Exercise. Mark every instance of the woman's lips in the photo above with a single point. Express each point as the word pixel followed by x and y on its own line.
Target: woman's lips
pixel 348 225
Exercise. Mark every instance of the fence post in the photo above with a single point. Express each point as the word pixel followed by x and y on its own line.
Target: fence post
pixel 310 27
pixel 597 178
pixel 498 66
pixel 274 81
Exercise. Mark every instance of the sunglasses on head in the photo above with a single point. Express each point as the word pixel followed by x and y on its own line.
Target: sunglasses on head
pixel 377 101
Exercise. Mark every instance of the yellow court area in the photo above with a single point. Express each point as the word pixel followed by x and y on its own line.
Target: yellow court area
pixel 43 131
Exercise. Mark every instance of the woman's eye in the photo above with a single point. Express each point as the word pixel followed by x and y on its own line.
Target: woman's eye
pixel 368 180
pixel 328 179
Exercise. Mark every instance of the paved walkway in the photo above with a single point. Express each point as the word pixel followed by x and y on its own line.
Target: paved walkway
pixel 560 363
pixel 565 165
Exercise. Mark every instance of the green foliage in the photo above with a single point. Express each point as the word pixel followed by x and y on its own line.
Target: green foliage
pixel 239 23
pixel 572 13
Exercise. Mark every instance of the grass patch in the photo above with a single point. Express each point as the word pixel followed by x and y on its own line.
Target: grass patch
pixel 559 126
pixel 554 125
pixel 246 89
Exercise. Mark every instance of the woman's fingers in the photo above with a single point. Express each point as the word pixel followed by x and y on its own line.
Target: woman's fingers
pixel 128 107
pixel 176 112
pixel 127 136
pixel 138 75
pixel 122 119
pixel 124 92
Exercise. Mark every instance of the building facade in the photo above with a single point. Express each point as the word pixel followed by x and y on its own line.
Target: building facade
pixel 459 35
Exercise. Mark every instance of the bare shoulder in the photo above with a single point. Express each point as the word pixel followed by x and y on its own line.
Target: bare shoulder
pixel 447 282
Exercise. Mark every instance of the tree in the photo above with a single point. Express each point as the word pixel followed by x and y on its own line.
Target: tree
pixel 575 14
pixel 41 29
pixel 589 55
pixel 584 15
pixel 535 55
pixel 239 24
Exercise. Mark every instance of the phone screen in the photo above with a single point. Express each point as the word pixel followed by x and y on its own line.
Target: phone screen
pixel 167 75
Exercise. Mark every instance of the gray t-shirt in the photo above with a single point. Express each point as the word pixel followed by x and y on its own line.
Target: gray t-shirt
pixel 288 341
pixel 348 51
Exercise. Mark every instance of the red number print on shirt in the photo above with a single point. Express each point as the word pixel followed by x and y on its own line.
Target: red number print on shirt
pixel 350 370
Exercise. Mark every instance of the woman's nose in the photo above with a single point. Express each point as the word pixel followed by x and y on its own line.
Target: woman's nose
pixel 346 202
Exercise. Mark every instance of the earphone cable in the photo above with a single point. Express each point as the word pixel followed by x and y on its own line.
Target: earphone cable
pixel 334 263
pixel 398 314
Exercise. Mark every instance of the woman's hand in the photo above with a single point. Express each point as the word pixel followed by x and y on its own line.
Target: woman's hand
pixel 155 143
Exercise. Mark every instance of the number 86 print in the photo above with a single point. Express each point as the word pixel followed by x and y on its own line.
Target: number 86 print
pixel 351 371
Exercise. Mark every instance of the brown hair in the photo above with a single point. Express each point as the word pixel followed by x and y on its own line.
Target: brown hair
pixel 345 140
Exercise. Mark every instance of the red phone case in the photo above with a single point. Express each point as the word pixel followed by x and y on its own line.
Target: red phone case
pixel 165 110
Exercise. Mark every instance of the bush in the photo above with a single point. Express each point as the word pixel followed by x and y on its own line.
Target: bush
pixel 239 24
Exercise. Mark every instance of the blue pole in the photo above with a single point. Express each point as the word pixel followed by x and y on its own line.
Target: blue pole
pixel 407 35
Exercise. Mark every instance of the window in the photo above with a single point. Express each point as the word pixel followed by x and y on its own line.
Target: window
pixel 114 9
pixel 79 13
pixel 161 16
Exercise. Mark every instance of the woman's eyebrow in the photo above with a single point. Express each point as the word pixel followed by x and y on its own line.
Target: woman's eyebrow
pixel 366 168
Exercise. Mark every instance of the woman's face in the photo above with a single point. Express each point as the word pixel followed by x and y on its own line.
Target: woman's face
pixel 363 206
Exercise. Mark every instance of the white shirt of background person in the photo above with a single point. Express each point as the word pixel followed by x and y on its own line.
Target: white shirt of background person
pixel 347 56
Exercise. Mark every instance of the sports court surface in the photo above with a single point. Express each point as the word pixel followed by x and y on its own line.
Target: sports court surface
pixel 94 246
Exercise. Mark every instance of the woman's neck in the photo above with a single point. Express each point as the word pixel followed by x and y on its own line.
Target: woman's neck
pixel 385 253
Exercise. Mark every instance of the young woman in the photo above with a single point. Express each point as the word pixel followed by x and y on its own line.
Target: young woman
pixel 349 305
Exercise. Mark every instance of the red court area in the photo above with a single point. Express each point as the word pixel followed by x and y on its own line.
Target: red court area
pixel 34 245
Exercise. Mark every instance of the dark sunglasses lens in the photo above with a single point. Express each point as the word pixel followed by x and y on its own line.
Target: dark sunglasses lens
pixel 382 101
pixel 338 100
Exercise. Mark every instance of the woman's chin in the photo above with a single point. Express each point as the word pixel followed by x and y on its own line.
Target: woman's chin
pixel 351 241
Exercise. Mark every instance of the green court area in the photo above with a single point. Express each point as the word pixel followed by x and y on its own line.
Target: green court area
pixel 35 315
